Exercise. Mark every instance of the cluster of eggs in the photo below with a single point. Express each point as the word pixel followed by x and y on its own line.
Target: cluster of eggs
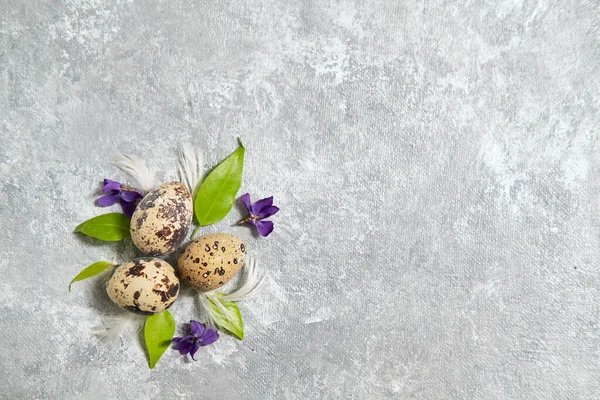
pixel 159 225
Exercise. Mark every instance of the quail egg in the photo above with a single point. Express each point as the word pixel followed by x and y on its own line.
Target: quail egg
pixel 143 286
pixel 211 261
pixel 161 220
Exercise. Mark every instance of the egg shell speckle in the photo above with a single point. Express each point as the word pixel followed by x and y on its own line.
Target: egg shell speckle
pixel 143 286
pixel 211 261
pixel 162 219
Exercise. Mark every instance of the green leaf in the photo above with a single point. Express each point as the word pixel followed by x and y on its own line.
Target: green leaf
pixel 216 196
pixel 227 315
pixel 92 270
pixel 108 227
pixel 158 332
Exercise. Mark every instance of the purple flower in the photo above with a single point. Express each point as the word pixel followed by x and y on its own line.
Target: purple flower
pixel 258 211
pixel 201 336
pixel 115 192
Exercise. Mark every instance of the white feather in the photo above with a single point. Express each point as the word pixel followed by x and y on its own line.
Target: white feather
pixel 190 169
pixel 105 275
pixel 136 168
pixel 218 302
pixel 204 306
pixel 113 327
pixel 214 318
pixel 251 287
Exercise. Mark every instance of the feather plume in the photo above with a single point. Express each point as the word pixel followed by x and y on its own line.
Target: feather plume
pixel 253 282
pixel 190 169
pixel 207 310
pixel 214 318
pixel 136 168
pixel 113 327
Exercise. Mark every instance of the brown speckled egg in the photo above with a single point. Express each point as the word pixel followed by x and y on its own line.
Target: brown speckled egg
pixel 162 219
pixel 143 286
pixel 210 261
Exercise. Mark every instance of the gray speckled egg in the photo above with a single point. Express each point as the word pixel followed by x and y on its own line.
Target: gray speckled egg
pixel 210 261
pixel 162 219
pixel 143 286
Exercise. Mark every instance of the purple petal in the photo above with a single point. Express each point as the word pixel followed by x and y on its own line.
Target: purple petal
pixel 210 336
pixel 251 221
pixel 186 344
pixel 176 339
pixel 110 186
pixel 267 212
pixel 197 328
pixel 260 204
pixel 106 201
pixel 128 208
pixel 130 195
pixel 246 200
pixel 194 349
pixel 264 228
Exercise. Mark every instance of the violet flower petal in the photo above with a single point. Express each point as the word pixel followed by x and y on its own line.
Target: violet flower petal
pixel 185 345
pixel 198 329
pixel 251 221
pixel 130 195
pixel 186 338
pixel 246 200
pixel 128 208
pixel 261 204
pixel 210 337
pixel 106 201
pixel 267 212
pixel 111 185
pixel 264 227
pixel 194 349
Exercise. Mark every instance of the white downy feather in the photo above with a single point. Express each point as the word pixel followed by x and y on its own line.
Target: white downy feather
pixel 218 301
pixel 253 282
pixel 190 169
pixel 113 327
pixel 105 275
pixel 213 318
pixel 206 308
pixel 136 168
pixel 252 285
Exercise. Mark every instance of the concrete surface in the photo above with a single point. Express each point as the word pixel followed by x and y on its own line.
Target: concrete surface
pixel 436 165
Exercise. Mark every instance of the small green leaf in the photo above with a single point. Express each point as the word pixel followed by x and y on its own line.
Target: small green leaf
pixel 216 196
pixel 228 316
pixel 108 227
pixel 92 270
pixel 158 332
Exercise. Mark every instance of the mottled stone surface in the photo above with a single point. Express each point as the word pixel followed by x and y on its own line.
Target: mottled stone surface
pixel 436 164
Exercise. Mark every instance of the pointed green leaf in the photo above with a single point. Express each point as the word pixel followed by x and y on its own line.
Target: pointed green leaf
pixel 158 332
pixel 108 227
pixel 216 195
pixel 228 316
pixel 92 270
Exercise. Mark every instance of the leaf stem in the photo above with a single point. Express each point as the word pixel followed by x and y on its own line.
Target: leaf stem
pixel 195 231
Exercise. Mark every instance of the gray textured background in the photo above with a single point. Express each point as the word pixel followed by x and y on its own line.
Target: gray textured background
pixel 436 165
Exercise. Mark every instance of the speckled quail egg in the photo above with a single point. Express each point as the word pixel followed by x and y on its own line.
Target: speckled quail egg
pixel 210 261
pixel 162 219
pixel 143 286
